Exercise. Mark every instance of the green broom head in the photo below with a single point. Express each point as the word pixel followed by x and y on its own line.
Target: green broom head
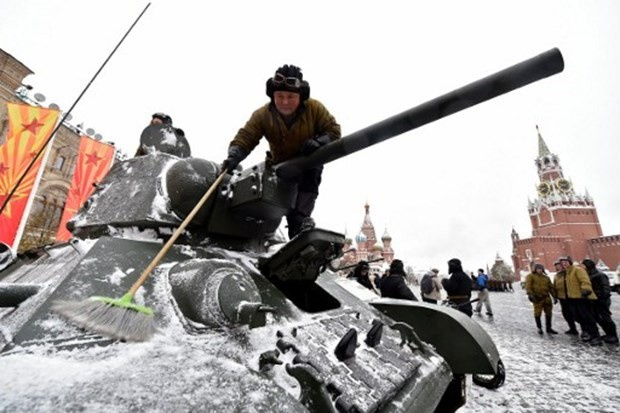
pixel 125 301
pixel 116 318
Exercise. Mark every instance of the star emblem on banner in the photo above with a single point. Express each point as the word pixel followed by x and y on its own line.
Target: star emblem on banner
pixel 33 126
pixel 17 195
pixel 3 168
pixel 92 158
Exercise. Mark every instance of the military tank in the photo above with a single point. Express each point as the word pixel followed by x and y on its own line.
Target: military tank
pixel 247 320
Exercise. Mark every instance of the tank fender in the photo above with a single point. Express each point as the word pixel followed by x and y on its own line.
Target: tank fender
pixel 461 341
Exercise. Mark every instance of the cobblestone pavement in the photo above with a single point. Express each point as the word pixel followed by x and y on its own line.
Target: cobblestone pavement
pixel 549 373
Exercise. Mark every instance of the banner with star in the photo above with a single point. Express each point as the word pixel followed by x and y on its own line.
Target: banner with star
pixel 92 165
pixel 29 128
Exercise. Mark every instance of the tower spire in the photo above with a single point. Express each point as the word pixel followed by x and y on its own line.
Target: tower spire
pixel 543 149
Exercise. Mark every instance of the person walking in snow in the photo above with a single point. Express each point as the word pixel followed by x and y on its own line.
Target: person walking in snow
pixel 294 125
pixel 430 287
pixel 458 287
pixel 602 304
pixel 539 291
pixel 559 284
pixel 483 293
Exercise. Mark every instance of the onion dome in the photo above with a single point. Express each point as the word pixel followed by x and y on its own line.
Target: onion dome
pixel 377 247
pixel 359 238
pixel 386 236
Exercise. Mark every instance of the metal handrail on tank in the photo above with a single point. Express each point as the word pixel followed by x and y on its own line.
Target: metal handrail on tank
pixel 521 74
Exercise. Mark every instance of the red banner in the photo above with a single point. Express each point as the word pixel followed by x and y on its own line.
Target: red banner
pixel 29 128
pixel 93 163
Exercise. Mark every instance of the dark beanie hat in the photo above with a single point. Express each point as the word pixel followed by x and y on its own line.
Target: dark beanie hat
pixel 537 266
pixel 454 265
pixel 589 264
pixel 397 266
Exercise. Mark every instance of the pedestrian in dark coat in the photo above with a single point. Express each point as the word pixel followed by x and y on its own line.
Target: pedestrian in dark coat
pixel 602 305
pixel 393 286
pixel 360 274
pixel 458 286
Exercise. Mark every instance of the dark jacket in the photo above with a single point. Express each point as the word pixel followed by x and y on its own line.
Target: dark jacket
pixel 285 142
pixel 393 286
pixel 458 287
pixel 600 284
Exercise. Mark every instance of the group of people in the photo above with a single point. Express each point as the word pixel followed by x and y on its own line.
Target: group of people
pixel 391 284
pixel 458 286
pixel 584 295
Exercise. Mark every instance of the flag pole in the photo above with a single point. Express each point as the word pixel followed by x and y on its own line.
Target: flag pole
pixel 34 159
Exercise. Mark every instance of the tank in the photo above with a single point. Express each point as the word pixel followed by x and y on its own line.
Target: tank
pixel 247 320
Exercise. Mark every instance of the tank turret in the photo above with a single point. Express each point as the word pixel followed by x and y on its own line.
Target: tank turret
pixel 246 321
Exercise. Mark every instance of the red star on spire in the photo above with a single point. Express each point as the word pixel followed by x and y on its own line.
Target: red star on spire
pixel 3 168
pixel 92 158
pixel 33 126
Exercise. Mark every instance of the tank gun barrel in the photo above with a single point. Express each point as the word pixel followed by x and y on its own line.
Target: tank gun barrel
pixel 521 74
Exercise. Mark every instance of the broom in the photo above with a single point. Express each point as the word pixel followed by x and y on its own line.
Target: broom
pixel 121 318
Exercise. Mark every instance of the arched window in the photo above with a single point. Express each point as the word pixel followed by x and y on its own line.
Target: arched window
pixel 60 162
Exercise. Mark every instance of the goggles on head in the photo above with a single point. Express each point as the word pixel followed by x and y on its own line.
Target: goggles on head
pixel 279 79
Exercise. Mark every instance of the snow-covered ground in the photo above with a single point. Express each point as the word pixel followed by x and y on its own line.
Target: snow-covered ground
pixel 548 373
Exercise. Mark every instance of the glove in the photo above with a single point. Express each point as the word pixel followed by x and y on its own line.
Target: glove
pixel 311 145
pixel 229 164
pixel 585 293
pixel 531 298
pixel 235 155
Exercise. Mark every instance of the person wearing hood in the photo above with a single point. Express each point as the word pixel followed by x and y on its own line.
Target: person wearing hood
pixel 602 304
pixel 458 287
pixel 361 274
pixel 394 286
pixel 539 291
pixel 294 125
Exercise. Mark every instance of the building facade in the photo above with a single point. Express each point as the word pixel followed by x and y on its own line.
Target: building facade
pixel 563 222
pixel 366 246
pixel 51 195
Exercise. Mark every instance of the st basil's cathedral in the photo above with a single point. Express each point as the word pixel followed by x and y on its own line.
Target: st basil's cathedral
pixel 367 247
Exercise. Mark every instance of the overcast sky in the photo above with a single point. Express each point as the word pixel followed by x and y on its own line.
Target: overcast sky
pixel 453 188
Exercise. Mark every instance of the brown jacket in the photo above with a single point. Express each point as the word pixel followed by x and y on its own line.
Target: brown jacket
pixel 559 282
pixel 577 280
pixel 313 120
pixel 539 285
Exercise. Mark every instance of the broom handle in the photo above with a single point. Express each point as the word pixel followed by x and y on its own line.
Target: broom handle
pixel 175 235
